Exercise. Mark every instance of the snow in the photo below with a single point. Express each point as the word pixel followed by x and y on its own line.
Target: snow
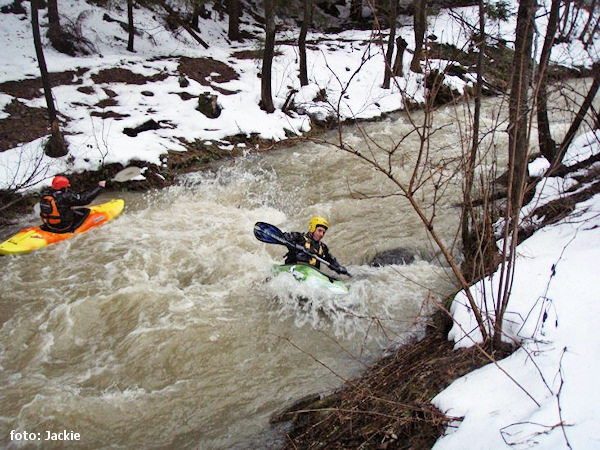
pixel 522 400
pixel 541 396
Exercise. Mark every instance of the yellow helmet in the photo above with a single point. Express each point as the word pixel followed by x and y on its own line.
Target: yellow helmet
pixel 317 222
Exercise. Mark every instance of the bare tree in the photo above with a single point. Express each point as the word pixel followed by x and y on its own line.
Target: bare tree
pixel 130 25
pixel 593 5
pixel 518 152
pixel 233 10
pixel 393 15
pixel 518 129
pixel 476 228
pixel 306 19
pixel 56 146
pixel 420 27
pixel 479 214
pixel 266 96
pixel 552 151
pixel 547 144
pixel 424 173
pixel 24 173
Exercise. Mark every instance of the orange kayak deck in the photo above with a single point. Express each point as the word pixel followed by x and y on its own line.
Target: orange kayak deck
pixel 33 238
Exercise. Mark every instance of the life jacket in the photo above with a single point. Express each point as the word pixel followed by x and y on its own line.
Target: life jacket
pixel 49 211
pixel 316 249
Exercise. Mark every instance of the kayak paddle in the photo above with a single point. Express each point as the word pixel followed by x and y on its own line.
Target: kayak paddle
pixel 265 232
pixel 127 174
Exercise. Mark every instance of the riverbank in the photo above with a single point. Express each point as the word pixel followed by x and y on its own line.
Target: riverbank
pixel 196 158
pixel 389 406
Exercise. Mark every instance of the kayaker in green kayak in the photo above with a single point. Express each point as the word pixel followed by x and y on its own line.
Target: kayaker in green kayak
pixel 56 206
pixel 312 241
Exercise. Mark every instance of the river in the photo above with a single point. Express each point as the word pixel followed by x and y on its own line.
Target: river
pixel 165 327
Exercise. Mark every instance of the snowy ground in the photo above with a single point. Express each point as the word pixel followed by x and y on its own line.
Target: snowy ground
pixel 544 394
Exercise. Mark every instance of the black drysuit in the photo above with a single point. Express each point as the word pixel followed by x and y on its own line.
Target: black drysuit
pixel 295 255
pixel 57 212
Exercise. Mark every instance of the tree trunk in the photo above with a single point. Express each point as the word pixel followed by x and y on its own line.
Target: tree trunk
pixel 401 45
pixel 59 39
pixel 302 42
pixel 476 248
pixel 356 10
pixel 233 10
pixel 588 23
pixel 130 25
pixel 585 106
pixel 265 86
pixel 54 30
pixel 565 17
pixel 518 131
pixel 518 150
pixel 593 33
pixel 420 25
pixel 56 146
pixel 182 23
pixel 391 42
pixel 546 143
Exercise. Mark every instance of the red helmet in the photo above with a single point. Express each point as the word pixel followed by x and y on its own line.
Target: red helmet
pixel 59 182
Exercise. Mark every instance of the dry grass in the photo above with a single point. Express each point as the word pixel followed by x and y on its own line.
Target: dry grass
pixel 389 406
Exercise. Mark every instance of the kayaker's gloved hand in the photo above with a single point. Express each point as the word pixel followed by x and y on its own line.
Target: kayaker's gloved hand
pixel 339 269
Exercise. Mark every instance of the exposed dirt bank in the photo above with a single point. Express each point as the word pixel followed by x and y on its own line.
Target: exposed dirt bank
pixel 389 406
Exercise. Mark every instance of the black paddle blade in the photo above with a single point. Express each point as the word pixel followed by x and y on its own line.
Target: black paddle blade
pixel 268 233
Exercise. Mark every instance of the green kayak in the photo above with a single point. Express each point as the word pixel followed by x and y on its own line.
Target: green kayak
pixel 314 277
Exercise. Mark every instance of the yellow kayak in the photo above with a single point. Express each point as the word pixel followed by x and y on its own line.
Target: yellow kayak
pixel 34 237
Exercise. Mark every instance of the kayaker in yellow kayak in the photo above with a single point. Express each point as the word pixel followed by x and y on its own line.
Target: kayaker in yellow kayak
pixel 57 205
pixel 311 241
